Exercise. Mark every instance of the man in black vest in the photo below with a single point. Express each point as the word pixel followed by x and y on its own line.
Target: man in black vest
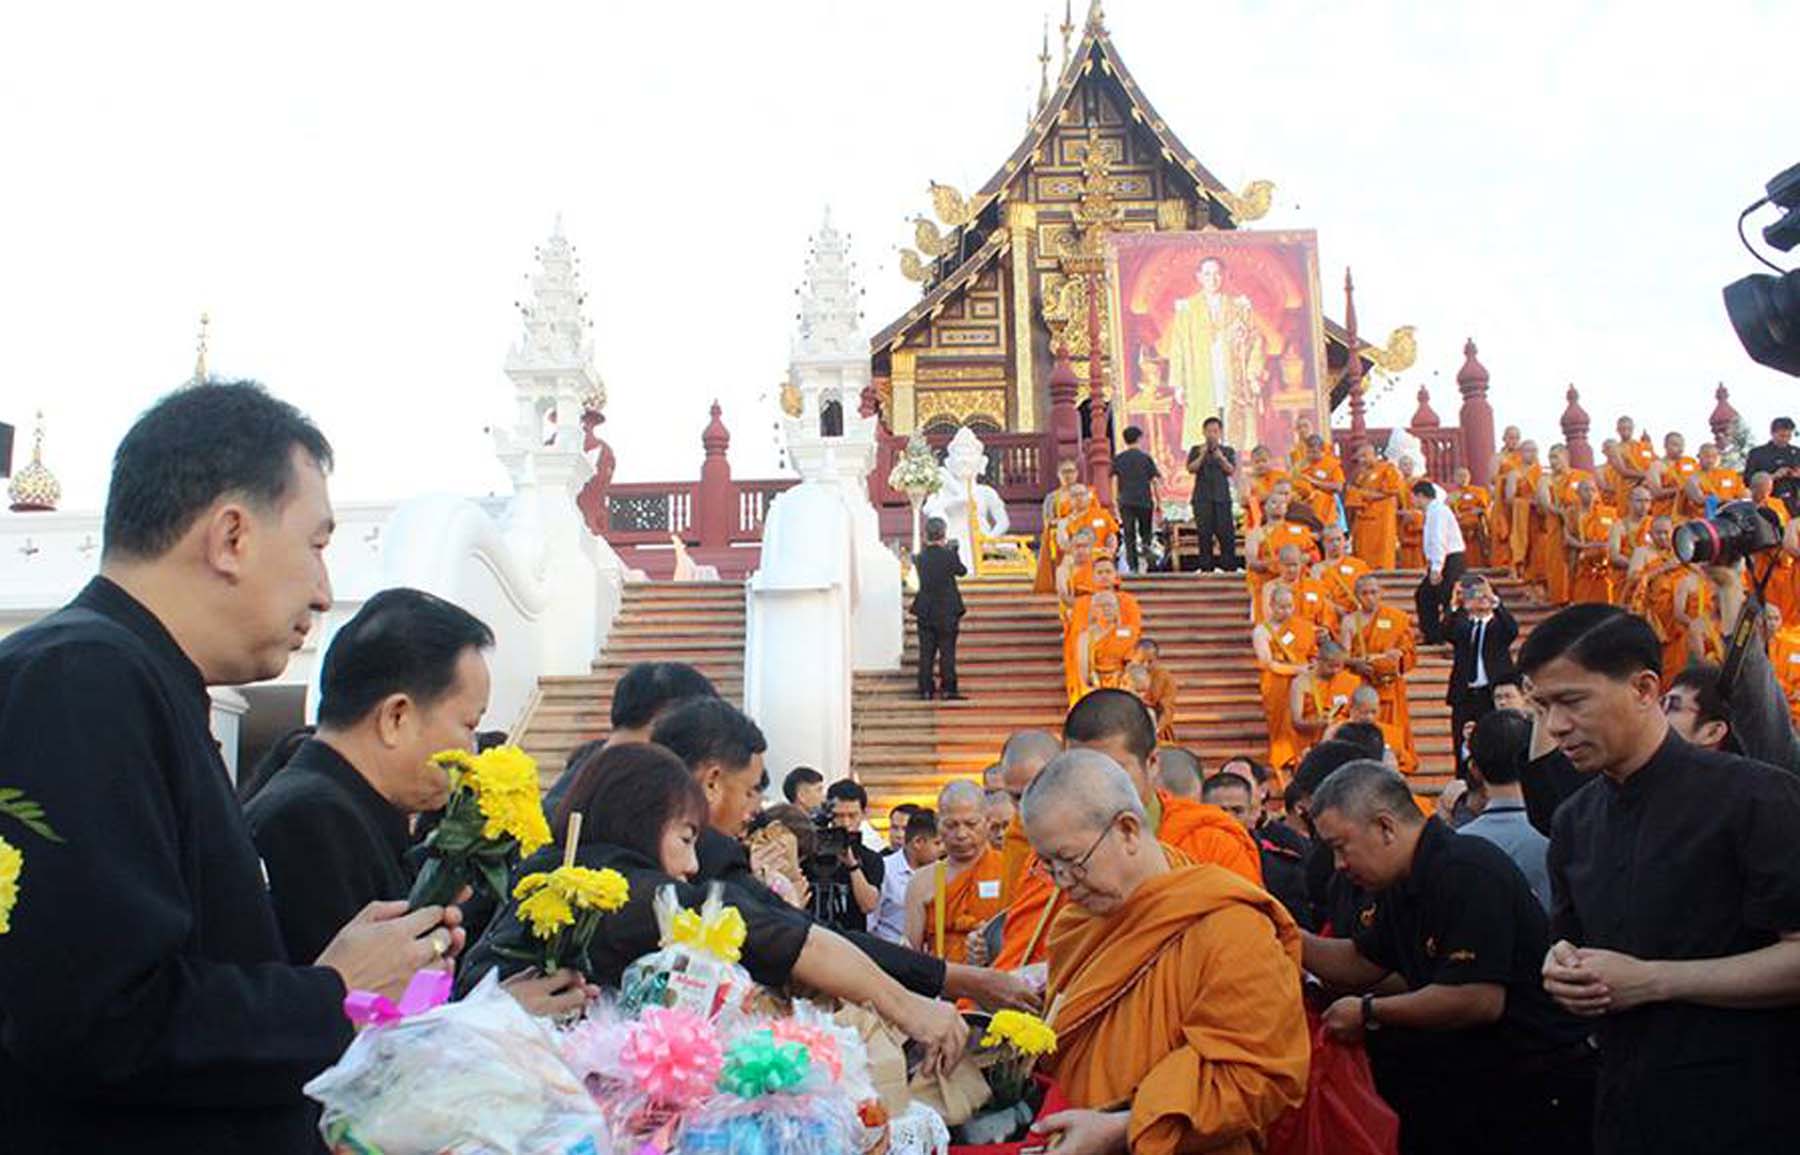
pixel 1481 633
pixel 147 1003
pixel 938 610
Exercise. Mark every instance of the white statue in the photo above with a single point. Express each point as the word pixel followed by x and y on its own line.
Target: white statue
pixel 964 463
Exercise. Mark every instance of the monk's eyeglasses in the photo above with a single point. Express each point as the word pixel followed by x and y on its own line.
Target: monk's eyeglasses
pixel 1071 873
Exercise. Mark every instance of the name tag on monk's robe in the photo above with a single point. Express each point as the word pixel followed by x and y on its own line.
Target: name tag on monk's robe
pixel 1346 570
pixel 1287 639
pixel 1383 624
pixel 987 888
pixel 1121 633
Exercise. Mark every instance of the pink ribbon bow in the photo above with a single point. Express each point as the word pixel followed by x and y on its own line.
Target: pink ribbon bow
pixel 427 989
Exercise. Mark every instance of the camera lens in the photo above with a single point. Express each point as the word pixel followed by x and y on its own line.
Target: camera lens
pixel 1697 541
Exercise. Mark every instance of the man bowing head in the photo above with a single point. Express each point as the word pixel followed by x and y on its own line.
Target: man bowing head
pixel 1174 987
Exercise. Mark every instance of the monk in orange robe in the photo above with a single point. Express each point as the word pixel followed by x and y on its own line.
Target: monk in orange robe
pixel 1472 506
pixel 1058 504
pixel 1521 494
pixel 1651 587
pixel 1161 691
pixel 1174 988
pixel 1711 482
pixel 1075 574
pixel 1698 636
pixel 1088 514
pixel 1507 462
pixel 1107 644
pixel 1312 600
pixel 1784 656
pixel 1555 499
pixel 1320 698
pixel 1284 644
pixel 1588 529
pixel 1324 477
pixel 1116 724
pixel 957 897
pixel 1382 651
pixel 1631 460
pixel 1365 707
pixel 1261 481
pixel 1339 570
pixel 1669 475
pixel 1263 546
pixel 1761 490
pixel 1031 898
pixel 1104 577
pixel 1412 519
pixel 1372 504
pixel 1630 533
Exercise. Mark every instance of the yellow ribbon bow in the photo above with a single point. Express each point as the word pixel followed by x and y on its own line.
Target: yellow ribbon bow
pixel 719 932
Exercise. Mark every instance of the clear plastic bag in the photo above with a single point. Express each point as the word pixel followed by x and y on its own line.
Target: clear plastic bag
pixel 478 1077
pixel 779 1124
pixel 695 968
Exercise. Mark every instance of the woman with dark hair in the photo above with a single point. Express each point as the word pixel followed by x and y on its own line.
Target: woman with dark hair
pixel 642 813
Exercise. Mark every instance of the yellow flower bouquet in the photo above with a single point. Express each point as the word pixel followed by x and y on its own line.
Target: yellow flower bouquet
pixel 562 909
pixel 1014 1041
pixel 30 815
pixel 493 818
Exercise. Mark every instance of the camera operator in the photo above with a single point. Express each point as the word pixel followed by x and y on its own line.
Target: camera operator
pixel 845 875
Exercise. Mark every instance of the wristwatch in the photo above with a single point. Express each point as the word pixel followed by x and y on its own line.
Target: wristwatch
pixel 1369 1021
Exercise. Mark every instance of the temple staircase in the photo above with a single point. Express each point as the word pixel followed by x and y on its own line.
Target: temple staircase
pixel 700 623
pixel 1010 666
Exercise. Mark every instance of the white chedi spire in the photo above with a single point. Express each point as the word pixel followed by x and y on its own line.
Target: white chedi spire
pixel 555 343
pixel 830 306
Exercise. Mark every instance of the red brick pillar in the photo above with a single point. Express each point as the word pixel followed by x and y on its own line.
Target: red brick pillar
pixel 716 514
pixel 1476 418
pixel 1575 433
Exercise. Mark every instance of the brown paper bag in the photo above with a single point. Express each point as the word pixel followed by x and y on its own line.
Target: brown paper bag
pixel 887 1057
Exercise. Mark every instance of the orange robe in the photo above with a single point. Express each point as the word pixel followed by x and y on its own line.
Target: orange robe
pixel 1784 655
pixel 1777 507
pixel 1107 655
pixel 962 905
pixel 1131 618
pixel 1684 468
pixel 1312 601
pixel 1049 552
pixel 1722 485
pixel 1160 699
pixel 1471 504
pixel 1373 507
pixel 1339 578
pixel 1268 549
pixel 1183 1007
pixel 1593 578
pixel 1524 553
pixel 1500 549
pixel 1639 454
pixel 1293 643
pixel 1553 546
pixel 1261 484
pixel 1412 533
pixel 1326 470
pixel 1406 758
pixel 1389 629
pixel 1328 702
pixel 1703 609
pixel 1105 526
pixel 1652 597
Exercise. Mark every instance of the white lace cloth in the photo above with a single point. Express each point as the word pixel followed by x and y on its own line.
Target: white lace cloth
pixel 918 1131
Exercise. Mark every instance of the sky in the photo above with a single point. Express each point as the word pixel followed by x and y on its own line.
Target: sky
pixel 353 192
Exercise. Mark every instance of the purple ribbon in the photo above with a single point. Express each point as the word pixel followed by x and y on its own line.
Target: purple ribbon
pixel 427 989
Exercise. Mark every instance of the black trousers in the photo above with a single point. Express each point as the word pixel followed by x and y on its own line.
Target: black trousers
pixel 1529 1110
pixel 1471 705
pixel 937 646
pixel 1213 525
pixel 1433 601
pixel 1135 521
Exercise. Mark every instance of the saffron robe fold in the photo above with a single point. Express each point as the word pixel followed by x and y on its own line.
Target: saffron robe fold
pixel 1183 1007
pixel 1291 643
pixel 1639 455
pixel 1372 503
pixel 1327 702
pixel 1784 656
pixel 1339 578
pixel 1368 637
pixel 1268 550
pixel 1592 581
pixel 1471 505
pixel 962 905
pixel 1673 473
pixel 1554 548
pixel 1206 834
pixel 1324 502
pixel 1075 635
pixel 1525 560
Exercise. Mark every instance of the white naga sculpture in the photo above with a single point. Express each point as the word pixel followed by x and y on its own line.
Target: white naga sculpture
pixel 964 463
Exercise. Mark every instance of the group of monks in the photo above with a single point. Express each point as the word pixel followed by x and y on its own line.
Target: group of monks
pixel 1143 996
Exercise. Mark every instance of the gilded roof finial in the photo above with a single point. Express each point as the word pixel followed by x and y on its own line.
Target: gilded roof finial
pixel 1044 68
pixel 1067 28
pixel 200 351
pixel 1096 16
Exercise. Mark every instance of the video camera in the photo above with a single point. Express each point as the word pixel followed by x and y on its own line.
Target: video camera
pixel 1764 309
pixel 832 840
pixel 1735 531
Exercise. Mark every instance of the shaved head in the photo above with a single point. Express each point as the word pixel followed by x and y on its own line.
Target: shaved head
pixel 1178 772
pixel 1024 754
pixel 990 777
pixel 961 792
pixel 1363 790
pixel 1086 786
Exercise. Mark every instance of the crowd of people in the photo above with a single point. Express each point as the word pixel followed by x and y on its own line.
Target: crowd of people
pixel 1594 946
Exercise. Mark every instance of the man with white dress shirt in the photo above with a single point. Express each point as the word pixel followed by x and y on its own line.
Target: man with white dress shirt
pixel 919 851
pixel 1444 564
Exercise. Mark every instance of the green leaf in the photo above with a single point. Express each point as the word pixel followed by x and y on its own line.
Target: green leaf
pixel 495 875
pixel 31 816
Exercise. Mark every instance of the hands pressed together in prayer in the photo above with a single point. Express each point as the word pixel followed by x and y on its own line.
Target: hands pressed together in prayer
pixel 1591 983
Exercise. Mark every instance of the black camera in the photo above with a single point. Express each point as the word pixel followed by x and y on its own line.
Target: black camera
pixel 1765 309
pixel 1734 532
pixel 832 839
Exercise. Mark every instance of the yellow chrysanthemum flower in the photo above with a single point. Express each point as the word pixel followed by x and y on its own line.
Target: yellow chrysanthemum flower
pixel 506 788
pixel 547 912
pixel 12 863
pixel 604 889
pixel 548 901
pixel 1026 1034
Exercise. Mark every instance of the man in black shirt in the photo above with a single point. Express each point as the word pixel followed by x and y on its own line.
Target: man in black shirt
pixel 644 692
pixel 1135 476
pixel 1778 457
pixel 1452 917
pixel 1481 632
pixel 846 887
pixel 1676 902
pixel 1283 867
pixel 146 1001
pixel 1213 464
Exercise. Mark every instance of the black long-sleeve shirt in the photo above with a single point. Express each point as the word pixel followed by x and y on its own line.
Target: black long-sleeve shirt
pixel 330 845
pixel 146 1001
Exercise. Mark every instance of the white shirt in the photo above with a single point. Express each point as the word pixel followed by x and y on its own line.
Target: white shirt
pixel 1443 536
pixel 890 916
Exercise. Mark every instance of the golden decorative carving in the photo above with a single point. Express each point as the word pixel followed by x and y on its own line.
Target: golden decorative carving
pixel 960 405
pixel 1250 205
pixel 1171 215
pixel 791 403
pixel 1022 219
pixel 931 242
pixel 901 369
pixel 929 373
pixel 914 267
pixel 951 207
pixel 1401 351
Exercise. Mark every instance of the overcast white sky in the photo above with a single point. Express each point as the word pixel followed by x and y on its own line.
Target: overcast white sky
pixel 353 191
